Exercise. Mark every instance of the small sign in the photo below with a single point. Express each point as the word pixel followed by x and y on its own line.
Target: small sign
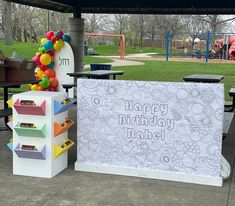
pixel 161 130
pixel 64 63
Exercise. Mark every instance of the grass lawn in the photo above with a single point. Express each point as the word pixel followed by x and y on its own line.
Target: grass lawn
pixel 28 50
pixel 175 71
pixel 151 71
pixel 110 50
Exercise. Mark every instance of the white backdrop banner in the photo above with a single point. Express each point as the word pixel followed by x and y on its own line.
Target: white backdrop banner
pixel 161 130
pixel 64 63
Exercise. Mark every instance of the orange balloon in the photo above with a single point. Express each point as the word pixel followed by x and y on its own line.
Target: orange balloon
pixel 50 73
pixel 53 82
pixel 40 88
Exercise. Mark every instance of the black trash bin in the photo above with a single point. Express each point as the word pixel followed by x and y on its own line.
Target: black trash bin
pixel 101 67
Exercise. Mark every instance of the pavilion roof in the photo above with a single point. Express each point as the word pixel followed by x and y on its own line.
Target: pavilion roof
pixel 135 6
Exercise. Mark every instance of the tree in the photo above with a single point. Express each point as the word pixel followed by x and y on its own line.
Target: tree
pixel 152 28
pixel 136 30
pixel 195 28
pixel 171 23
pixel 92 24
pixel 7 24
pixel 141 26
pixel 119 23
pixel 216 23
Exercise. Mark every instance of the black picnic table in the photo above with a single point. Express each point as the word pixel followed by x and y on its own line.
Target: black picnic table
pixel 96 73
pixel 6 111
pixel 204 78
pixel 101 74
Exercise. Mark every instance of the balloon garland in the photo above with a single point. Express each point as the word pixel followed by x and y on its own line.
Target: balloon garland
pixel 44 58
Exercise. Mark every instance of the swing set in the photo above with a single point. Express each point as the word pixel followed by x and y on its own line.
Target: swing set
pixel 121 41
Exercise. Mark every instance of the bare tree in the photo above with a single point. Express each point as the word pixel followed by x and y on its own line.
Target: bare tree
pixel 1 16
pixel 171 23
pixel 195 28
pixel 119 23
pixel 141 21
pixel 152 27
pixel 58 21
pixel 7 23
pixel 136 30
pixel 92 25
pixel 216 23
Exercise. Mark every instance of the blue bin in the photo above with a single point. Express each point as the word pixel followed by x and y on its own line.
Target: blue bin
pixel 101 67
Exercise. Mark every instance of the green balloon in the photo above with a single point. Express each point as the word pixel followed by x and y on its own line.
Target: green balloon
pixel 45 83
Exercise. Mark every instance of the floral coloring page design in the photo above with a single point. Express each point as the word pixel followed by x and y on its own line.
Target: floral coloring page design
pixel 167 126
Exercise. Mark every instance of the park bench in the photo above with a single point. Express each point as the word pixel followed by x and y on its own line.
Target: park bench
pixel 229 113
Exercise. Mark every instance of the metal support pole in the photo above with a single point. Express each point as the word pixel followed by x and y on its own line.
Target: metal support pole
pixel 208 45
pixel 5 96
pixel 48 20
pixel 123 47
pixel 76 32
pixel 167 45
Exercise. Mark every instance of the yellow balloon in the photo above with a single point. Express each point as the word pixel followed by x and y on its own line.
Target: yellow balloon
pixel 42 41
pixel 60 42
pixel 36 69
pixel 57 46
pixel 37 53
pixel 45 59
pixel 39 74
pixel 34 87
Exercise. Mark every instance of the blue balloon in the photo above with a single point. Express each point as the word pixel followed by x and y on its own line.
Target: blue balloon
pixel 48 45
pixel 51 65
pixel 66 37
pixel 57 33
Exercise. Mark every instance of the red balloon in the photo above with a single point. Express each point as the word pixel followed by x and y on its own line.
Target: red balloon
pixel 54 38
pixel 38 62
pixel 61 34
pixel 49 35
pixel 36 59
pixel 43 67
pixel 50 73
pixel 51 89
pixel 51 53
pixel 53 82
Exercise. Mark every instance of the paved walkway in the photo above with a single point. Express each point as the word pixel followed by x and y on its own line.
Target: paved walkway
pixel 140 55
pixel 148 56
pixel 120 63
pixel 130 60
pixel 73 188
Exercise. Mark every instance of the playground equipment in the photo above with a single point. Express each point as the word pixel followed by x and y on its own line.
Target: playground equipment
pixel 226 46
pixel 121 42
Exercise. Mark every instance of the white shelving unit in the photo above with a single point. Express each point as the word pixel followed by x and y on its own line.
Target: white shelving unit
pixel 48 133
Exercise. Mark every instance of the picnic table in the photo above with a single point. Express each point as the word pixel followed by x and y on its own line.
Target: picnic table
pixel 91 74
pixel 96 73
pixel 204 78
pixel 6 111
pixel 229 109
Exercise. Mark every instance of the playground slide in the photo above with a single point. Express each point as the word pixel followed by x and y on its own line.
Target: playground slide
pixel 231 45
pixel 231 50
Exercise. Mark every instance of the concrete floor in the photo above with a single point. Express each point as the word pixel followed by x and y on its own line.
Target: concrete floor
pixel 73 188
